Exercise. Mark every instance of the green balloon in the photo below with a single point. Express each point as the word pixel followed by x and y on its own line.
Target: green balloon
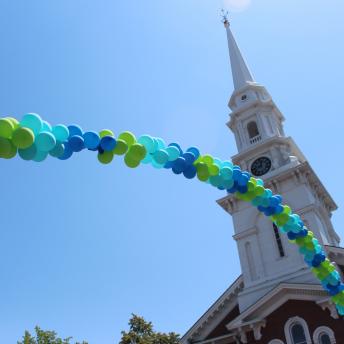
pixel 202 171
pixel 14 122
pixel 23 138
pixel 121 147
pixel 128 137
pixel 5 147
pixel 106 157
pixel 6 128
pixel 137 151
pixel 106 132
pixel 130 161
pixel 12 153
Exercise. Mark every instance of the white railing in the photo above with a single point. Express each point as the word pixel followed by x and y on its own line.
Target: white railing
pixel 255 139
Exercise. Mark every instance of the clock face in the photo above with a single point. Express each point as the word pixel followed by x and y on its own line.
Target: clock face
pixel 261 166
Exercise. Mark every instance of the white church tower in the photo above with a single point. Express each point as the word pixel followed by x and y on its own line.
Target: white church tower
pixel 266 257
pixel 276 299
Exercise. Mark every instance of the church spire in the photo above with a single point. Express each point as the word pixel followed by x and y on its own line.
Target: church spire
pixel 240 72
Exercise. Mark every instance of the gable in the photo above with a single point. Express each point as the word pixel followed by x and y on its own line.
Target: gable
pixel 221 329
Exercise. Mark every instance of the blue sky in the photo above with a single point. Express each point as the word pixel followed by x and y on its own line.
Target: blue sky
pixel 83 245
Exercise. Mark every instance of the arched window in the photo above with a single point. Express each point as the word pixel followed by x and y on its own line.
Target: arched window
pixel 252 129
pixel 296 331
pixel 298 334
pixel 324 335
pixel 279 241
pixel 276 341
pixel 325 339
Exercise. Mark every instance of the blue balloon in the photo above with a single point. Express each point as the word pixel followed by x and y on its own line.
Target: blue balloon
pixel 74 130
pixel 91 140
pixel 179 165
pixel 68 152
pixel 194 151
pixel 108 143
pixel 189 158
pixel 169 164
pixel 76 143
pixel 190 172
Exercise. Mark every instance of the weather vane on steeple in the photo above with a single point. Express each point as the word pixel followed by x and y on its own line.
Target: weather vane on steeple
pixel 224 17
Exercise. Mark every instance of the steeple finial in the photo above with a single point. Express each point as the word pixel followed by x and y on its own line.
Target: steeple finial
pixel 224 16
pixel 240 71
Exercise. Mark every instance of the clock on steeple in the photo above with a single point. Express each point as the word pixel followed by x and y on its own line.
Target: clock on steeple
pixel 261 166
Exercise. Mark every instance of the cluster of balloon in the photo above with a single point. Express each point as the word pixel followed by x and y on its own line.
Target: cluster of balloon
pixel 35 139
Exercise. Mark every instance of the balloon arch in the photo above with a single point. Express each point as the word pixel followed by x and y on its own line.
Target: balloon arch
pixel 35 139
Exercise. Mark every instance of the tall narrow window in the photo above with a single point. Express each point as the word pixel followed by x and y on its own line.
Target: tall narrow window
pixel 250 262
pixel 325 339
pixel 252 129
pixel 279 241
pixel 298 334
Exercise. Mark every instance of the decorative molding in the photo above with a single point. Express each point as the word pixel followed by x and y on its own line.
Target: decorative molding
pixel 245 233
pixel 327 304
pixel 289 324
pixel 274 299
pixel 213 316
pixel 323 330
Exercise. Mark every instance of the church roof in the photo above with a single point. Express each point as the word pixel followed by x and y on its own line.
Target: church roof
pixel 215 314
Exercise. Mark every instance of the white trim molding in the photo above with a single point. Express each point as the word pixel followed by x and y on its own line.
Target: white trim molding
pixel 276 341
pixel 290 323
pixel 323 330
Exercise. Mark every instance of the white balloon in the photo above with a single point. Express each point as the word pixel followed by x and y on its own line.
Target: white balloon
pixel 236 5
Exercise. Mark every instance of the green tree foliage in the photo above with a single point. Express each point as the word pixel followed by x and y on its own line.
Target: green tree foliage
pixel 142 332
pixel 45 337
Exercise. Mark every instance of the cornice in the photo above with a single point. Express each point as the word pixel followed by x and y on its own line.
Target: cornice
pixel 274 299
pixel 229 203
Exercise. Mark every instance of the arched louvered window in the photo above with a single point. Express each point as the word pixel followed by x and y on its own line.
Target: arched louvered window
pixel 252 129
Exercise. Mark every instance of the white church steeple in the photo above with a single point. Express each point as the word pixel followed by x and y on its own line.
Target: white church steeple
pixel 240 71
pixel 266 257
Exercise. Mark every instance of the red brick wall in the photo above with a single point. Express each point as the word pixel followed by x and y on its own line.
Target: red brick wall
pixel 309 311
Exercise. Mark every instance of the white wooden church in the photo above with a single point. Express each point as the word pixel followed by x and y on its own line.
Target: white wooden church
pixel 276 299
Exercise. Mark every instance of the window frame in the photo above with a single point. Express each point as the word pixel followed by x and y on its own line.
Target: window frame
pixel 323 330
pixel 287 329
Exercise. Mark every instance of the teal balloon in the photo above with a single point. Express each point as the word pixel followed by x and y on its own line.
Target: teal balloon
pixel 160 143
pixel 40 156
pixel 173 153
pixel 161 157
pixel 60 132
pixel 226 172
pixel 156 165
pixel 148 159
pixel 148 142
pixel 46 126
pixel 32 121
pixel 58 150
pixel 28 153
pixel 45 141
